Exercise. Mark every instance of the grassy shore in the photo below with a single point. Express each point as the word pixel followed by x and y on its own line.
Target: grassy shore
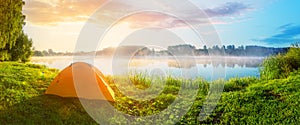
pixel 244 100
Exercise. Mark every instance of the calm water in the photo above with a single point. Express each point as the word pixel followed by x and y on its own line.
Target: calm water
pixel 209 68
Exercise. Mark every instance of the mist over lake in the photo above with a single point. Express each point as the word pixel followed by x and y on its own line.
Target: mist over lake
pixel 188 67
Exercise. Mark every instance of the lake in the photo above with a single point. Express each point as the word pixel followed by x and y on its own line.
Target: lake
pixel 209 68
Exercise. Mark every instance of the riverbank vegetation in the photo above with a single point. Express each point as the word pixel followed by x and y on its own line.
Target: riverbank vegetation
pixel 281 65
pixel 273 98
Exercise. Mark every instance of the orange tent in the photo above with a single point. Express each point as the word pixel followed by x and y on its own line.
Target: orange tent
pixel 81 80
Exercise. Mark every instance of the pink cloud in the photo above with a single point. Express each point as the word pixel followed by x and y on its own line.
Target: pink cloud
pixel 45 13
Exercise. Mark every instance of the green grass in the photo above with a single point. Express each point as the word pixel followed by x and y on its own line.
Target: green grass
pixel 264 102
pixel 22 99
pixel 244 100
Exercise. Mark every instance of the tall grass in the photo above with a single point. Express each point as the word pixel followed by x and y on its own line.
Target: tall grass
pixel 281 65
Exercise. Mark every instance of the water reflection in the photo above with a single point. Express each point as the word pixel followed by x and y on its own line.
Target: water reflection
pixel 188 63
pixel 180 66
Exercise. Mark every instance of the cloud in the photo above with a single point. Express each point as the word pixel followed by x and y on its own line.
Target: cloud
pixel 43 12
pixel 288 34
pixel 227 9
pixel 284 26
pixel 51 12
pixel 165 21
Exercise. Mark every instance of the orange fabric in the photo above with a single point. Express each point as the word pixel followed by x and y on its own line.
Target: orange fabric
pixel 89 83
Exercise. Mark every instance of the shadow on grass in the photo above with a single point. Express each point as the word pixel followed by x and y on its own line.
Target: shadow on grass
pixel 46 109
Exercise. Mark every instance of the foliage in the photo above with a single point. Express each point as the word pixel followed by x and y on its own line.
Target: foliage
pixel 14 44
pixel 244 100
pixel 50 52
pixel 183 50
pixel 11 22
pixel 281 65
pixel 294 52
pixel 22 49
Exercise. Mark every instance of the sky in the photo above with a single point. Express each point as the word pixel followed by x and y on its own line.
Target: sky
pixel 57 24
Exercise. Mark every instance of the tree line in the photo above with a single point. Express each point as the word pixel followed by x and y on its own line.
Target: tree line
pixel 178 50
pixel 50 52
pixel 229 50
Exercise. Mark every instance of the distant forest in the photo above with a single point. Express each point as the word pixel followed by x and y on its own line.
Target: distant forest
pixel 178 50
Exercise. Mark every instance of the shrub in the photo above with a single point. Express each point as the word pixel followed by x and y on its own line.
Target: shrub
pixel 281 65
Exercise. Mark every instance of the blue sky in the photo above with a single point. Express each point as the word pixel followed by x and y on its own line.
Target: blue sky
pixel 55 24
pixel 274 24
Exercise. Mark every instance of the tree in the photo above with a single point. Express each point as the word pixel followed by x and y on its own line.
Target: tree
pixel 205 50
pixel 22 50
pixel 51 52
pixel 205 47
pixel 11 21
pixel 241 47
pixel 45 53
pixel 230 47
pixel 38 53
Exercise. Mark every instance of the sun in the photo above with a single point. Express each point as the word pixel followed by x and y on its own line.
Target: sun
pixel 116 34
